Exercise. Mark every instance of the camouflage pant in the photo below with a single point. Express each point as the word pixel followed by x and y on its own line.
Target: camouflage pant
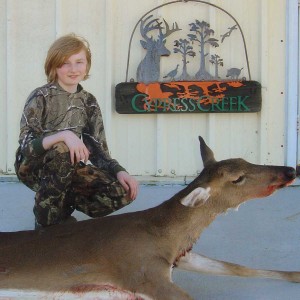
pixel 62 187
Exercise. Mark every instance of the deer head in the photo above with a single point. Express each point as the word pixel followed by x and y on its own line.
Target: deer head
pixel 234 181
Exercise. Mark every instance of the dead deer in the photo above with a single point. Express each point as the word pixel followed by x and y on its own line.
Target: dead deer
pixel 131 256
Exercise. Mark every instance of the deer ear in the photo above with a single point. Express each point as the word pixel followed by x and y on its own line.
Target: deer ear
pixel 206 153
pixel 196 198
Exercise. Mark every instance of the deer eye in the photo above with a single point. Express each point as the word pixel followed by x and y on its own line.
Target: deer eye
pixel 240 180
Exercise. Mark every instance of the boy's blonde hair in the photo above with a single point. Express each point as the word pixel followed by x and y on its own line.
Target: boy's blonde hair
pixel 61 50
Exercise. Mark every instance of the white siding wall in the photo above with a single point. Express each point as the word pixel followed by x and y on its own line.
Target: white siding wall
pixel 147 144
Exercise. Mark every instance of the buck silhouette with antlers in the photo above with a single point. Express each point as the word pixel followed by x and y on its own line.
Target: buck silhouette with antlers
pixel 149 68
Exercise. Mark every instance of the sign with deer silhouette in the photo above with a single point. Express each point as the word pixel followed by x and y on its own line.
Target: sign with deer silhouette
pixel 184 90
pixel 188 97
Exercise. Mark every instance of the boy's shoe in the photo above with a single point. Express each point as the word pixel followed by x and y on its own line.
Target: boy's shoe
pixel 37 225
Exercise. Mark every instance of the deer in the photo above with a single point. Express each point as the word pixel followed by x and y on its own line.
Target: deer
pixel 132 255
pixel 149 68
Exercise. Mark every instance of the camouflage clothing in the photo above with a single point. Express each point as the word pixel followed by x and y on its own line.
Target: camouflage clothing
pixel 60 186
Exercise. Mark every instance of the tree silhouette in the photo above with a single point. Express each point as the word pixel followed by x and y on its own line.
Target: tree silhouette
pixel 183 47
pixel 202 36
pixel 217 61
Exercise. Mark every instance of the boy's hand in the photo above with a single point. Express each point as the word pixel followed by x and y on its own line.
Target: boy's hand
pixel 129 183
pixel 78 150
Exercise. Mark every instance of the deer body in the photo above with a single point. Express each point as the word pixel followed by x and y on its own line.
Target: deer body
pixel 94 261
pixel 135 252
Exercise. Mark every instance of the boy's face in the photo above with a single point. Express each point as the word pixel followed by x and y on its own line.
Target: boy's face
pixel 72 71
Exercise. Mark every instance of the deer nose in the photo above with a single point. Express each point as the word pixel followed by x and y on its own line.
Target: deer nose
pixel 291 173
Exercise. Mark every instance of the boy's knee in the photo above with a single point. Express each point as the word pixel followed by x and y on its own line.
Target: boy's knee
pixel 57 161
pixel 61 147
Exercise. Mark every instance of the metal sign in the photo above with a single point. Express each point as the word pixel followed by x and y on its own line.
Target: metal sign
pixel 178 90
pixel 188 97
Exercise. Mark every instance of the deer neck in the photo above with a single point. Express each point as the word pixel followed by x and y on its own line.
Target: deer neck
pixel 183 225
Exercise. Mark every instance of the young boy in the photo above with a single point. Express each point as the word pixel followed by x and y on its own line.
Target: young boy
pixel 61 130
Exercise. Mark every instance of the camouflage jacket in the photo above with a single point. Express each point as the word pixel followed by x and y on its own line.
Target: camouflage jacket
pixel 50 109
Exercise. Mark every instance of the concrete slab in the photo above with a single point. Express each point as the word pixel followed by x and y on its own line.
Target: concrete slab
pixel 262 234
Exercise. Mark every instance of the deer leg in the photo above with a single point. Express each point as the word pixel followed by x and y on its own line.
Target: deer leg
pixel 165 290
pixel 202 264
pixel 158 285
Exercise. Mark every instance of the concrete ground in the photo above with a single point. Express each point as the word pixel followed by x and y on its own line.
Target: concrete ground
pixel 262 234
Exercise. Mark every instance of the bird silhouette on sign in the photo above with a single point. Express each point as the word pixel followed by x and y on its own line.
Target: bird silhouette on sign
pixel 228 33
pixel 172 73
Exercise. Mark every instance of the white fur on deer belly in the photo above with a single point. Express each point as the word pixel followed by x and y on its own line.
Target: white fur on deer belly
pixel 104 293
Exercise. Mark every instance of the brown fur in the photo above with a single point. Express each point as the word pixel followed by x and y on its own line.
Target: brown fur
pixel 135 251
